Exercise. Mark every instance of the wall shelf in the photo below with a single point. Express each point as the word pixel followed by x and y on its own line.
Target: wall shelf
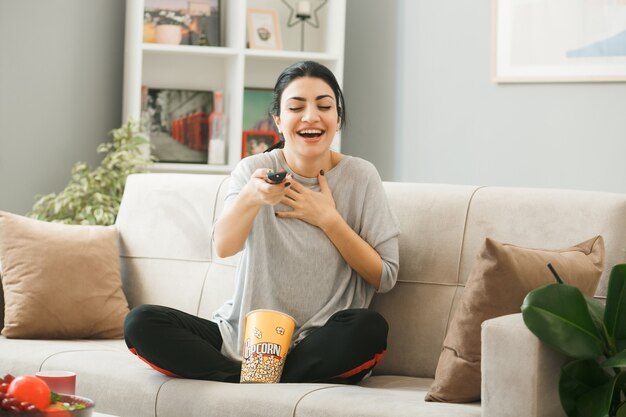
pixel 230 68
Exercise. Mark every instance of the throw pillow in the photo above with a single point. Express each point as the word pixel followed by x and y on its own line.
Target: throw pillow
pixel 60 281
pixel 500 278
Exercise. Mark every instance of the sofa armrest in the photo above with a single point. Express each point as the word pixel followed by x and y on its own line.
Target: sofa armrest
pixel 520 375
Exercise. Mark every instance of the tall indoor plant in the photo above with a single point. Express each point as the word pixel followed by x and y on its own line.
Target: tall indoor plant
pixel 593 383
pixel 94 196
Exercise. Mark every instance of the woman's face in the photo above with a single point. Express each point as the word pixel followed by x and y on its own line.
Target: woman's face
pixel 308 116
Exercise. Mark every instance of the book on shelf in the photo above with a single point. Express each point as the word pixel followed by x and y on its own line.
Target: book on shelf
pixel 182 22
pixel 177 122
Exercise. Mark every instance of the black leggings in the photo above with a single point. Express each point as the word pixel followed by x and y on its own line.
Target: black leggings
pixel 179 344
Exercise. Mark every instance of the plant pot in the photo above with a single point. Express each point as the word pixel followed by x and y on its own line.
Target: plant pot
pixel 170 34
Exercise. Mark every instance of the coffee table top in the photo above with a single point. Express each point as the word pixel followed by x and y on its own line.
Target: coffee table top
pixel 102 415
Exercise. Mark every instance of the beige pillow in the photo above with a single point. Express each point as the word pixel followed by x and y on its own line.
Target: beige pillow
pixel 500 278
pixel 60 281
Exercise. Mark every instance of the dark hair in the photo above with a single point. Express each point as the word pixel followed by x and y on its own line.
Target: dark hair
pixel 306 69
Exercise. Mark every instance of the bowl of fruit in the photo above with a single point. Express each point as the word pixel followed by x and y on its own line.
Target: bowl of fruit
pixel 30 396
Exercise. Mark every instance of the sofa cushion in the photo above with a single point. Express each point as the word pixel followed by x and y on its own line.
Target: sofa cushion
pixel 501 277
pixel 385 395
pixel 188 397
pixel 119 383
pixel 418 307
pixel 175 263
pixel 60 281
pixel 27 356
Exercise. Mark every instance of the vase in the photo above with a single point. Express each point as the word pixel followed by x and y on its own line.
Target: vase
pixel 170 34
pixel 149 33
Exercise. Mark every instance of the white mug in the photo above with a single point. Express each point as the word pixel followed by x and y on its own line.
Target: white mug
pixel 61 382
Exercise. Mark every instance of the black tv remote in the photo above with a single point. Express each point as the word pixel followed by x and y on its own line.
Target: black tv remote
pixel 276 177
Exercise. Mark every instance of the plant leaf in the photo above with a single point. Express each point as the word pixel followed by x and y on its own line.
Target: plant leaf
pixel 578 378
pixel 102 187
pixel 597 402
pixel 615 311
pixel 617 361
pixel 621 411
pixel 618 388
pixel 558 315
pixel 596 310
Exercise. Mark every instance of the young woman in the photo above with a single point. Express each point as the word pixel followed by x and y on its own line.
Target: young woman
pixel 316 246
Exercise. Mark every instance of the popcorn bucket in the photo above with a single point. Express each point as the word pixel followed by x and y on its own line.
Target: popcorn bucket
pixel 265 345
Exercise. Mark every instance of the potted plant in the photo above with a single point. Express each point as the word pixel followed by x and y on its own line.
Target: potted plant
pixel 93 197
pixel 593 335
pixel 169 25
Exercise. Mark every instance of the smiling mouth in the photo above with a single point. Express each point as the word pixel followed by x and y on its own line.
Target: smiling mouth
pixel 310 133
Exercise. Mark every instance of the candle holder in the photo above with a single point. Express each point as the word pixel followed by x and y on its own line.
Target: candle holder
pixel 302 14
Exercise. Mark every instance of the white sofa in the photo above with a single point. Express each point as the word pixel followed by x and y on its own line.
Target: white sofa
pixel 166 253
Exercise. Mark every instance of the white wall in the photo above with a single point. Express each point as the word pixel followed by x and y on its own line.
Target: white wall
pixel 421 105
pixel 373 53
pixel 452 124
pixel 61 65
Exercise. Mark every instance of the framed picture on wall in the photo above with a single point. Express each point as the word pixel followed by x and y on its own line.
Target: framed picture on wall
pixel 263 29
pixel 558 41
pixel 257 141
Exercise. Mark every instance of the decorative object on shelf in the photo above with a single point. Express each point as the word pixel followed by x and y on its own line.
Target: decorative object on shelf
pixel 257 141
pixel 577 41
pixel 204 29
pixel 149 32
pixel 256 109
pixel 592 334
pixel 168 34
pixel 168 23
pixel 217 131
pixel 178 123
pixel 302 14
pixel 93 197
pixel 263 29
pixel 258 126
pixel 175 22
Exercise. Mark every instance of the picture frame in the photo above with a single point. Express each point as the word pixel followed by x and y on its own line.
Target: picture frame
pixel 544 41
pixel 257 141
pixel 257 120
pixel 257 103
pixel 178 123
pixel 196 22
pixel 263 29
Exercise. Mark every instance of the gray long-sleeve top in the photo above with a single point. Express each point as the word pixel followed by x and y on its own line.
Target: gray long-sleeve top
pixel 291 266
